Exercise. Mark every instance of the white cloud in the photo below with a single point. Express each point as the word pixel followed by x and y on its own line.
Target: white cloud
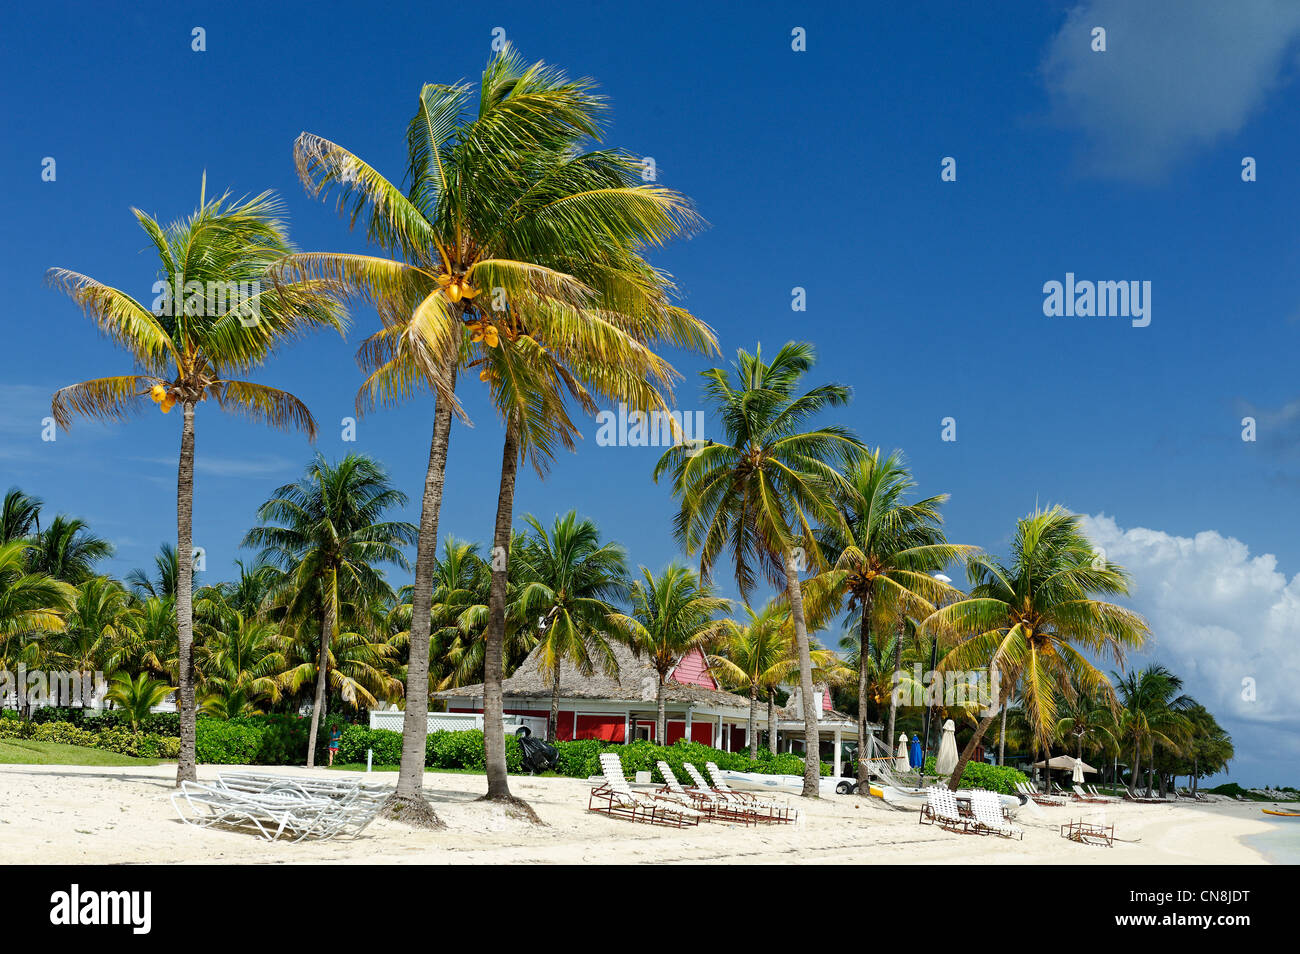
pixel 216 466
pixel 1219 616
pixel 1177 75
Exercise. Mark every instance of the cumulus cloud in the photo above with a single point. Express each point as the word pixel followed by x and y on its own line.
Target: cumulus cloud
pixel 1177 75
pixel 1219 616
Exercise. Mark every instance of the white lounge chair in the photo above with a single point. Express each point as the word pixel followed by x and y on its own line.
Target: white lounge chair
pixel 287 811
pixel 1092 790
pixel 715 807
pixel 1083 796
pixel 774 811
pixel 358 802
pixel 1037 797
pixel 615 797
pixel 941 809
pixel 987 809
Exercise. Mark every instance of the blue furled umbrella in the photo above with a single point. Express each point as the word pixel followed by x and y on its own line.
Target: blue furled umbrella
pixel 914 752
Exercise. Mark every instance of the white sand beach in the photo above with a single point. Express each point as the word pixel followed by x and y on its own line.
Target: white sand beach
pixel 95 815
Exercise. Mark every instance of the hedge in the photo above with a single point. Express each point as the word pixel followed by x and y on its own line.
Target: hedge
pixel 110 738
pixel 577 759
pixel 994 778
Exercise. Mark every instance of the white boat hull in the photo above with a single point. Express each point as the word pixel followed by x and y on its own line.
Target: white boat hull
pixel 784 784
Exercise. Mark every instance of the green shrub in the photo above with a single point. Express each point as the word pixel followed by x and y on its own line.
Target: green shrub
pixel 111 739
pixel 994 778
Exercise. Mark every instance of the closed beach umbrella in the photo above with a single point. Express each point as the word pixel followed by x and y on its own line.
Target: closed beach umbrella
pixel 1077 774
pixel 914 753
pixel 900 759
pixel 946 760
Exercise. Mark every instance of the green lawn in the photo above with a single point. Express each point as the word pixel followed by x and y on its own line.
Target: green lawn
pixel 27 752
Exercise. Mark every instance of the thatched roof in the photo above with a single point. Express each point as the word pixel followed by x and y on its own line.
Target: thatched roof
pixel 635 682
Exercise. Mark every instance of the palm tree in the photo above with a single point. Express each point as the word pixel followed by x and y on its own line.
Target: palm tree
pixel 20 516
pixel 99 627
pixel 1153 712
pixel 164 582
pixel 756 490
pixel 1024 618
pixel 239 663
pixel 137 696
pixel 568 578
pixel 758 657
pixel 671 614
pixel 32 608
pixel 328 536
pixel 501 201
pixel 885 552
pixel 67 550
pixel 189 351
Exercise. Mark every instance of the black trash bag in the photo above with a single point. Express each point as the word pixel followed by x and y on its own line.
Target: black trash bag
pixel 539 756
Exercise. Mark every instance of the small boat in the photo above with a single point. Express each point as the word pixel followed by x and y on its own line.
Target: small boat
pixel 1274 811
pixel 788 784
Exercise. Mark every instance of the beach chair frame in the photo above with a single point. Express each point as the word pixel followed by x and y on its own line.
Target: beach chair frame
pixel 1089 833
pixel 1037 797
pixel 766 811
pixel 614 797
pixel 989 817
pixel 941 809
pixel 713 806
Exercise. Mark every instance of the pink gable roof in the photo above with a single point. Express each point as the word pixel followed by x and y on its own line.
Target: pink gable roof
pixel 691 671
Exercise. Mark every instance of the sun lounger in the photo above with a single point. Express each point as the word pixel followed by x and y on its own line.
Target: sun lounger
pixel 1092 790
pixel 771 811
pixel 1133 796
pixel 987 809
pixel 1082 796
pixel 715 806
pixel 287 811
pixel 615 797
pixel 941 809
pixel 1089 833
pixel 1038 798
pixel 358 802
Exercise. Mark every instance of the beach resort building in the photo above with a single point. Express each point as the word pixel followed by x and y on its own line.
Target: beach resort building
pixel 622 707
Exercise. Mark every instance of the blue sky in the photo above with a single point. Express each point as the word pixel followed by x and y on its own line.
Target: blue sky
pixel 818 169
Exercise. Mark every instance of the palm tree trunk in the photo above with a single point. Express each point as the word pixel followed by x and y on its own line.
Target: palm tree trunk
pixel 415 722
pixel 812 763
pixel 494 742
pixel 661 718
pixel 864 663
pixel 753 723
pixel 771 721
pixel 893 695
pixel 975 739
pixel 328 626
pixel 553 723
pixel 1002 736
pixel 1134 775
pixel 185 770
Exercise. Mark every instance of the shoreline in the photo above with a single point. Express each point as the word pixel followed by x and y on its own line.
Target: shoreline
pixel 96 815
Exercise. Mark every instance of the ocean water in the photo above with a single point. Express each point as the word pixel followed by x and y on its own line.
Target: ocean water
pixel 1281 844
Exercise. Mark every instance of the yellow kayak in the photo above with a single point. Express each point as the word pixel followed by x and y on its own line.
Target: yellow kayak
pixel 1270 811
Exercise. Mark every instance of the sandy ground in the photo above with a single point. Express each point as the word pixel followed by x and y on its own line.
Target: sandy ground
pixel 74 814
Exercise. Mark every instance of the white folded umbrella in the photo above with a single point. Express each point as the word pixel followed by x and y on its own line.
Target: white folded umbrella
pixel 900 758
pixel 946 760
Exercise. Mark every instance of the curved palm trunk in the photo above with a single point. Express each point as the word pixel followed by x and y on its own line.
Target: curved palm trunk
pixel 328 626
pixel 893 695
pixel 185 770
pixel 415 723
pixel 771 721
pixel 983 727
pixel 864 663
pixel 553 722
pixel 1002 736
pixel 494 742
pixel 812 763
pixel 753 723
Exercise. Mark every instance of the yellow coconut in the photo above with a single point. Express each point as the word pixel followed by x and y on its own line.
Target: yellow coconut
pixel 157 393
pixel 167 403
pixel 444 279
pixel 485 375
pixel 454 292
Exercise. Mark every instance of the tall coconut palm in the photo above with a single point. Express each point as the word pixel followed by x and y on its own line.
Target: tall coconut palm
pixel 759 489
pixel 758 656
pixel 99 628
pixel 671 614
pixel 1153 713
pixel 329 535
pixel 568 578
pixel 191 347
pixel 507 232
pixel 884 553
pixel 1027 620
pixel 163 583
pixel 239 663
